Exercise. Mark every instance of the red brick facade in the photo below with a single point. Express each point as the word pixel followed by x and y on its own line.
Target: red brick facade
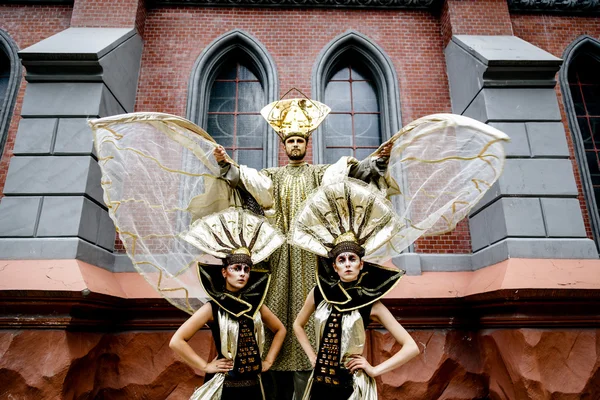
pixel 174 37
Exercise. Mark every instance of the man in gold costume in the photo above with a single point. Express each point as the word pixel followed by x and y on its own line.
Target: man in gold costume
pixel 293 269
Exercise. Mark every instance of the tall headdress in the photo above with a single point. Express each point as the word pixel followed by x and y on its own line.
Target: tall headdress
pixel 348 216
pixel 295 117
pixel 235 236
pixel 344 216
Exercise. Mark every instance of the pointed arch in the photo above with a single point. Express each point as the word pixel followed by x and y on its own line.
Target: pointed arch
pixel 385 81
pixel 10 80
pixel 234 45
pixel 583 46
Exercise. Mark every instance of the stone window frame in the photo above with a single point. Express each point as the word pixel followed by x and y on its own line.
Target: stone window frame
pixel 207 66
pixel 583 44
pixel 384 78
pixel 9 46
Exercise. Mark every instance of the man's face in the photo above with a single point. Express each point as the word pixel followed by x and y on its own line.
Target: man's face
pixel 295 148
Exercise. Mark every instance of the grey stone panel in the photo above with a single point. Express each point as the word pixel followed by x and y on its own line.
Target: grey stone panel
pixel 53 249
pixel 445 262
pixel 64 99
pixel 85 43
pixel 466 76
pixel 409 262
pixel 35 136
pixel 547 139
pixel 121 68
pixel 532 177
pixel 514 104
pixel 534 248
pixel 74 137
pixel 19 216
pixel 479 230
pixel 54 175
pixel 541 177
pixel 106 231
pixel 519 143
pixel 563 218
pixel 70 216
pixel 504 49
pixel 521 216
pixel 123 264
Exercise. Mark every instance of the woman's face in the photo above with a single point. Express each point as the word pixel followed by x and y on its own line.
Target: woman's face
pixel 348 266
pixel 236 276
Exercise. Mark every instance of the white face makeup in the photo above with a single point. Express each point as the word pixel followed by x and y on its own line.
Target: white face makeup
pixel 348 265
pixel 236 276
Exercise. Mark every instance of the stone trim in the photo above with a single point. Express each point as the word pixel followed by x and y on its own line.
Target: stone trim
pixel 8 45
pixel 384 74
pixel 207 65
pixel 508 308
pixel 588 44
pixel 555 6
pixel 357 4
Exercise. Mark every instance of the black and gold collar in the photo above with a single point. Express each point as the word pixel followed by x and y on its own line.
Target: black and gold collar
pixel 246 302
pixel 374 282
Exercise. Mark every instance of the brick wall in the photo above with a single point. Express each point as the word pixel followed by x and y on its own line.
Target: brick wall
pixel 175 37
pixel 27 25
pixel 554 33
pixel 474 17
pixel 103 14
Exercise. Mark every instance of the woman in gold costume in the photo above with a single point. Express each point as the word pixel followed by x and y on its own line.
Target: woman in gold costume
pixel 235 312
pixel 348 221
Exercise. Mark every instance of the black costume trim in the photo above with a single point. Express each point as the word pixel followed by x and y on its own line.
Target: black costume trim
pixel 374 282
pixel 247 301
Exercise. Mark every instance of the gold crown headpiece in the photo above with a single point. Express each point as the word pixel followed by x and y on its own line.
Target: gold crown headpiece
pixel 295 117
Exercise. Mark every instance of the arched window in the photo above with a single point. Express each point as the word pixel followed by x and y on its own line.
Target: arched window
pixel 234 119
pixel 232 80
pixel 358 81
pixel 10 78
pixel 353 127
pixel 580 84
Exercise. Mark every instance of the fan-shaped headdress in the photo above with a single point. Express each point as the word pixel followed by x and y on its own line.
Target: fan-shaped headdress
pixel 235 236
pixel 344 216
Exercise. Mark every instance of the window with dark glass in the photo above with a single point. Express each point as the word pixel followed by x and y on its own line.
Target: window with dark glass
pixel 234 119
pixel 353 127
pixel 584 83
pixel 4 76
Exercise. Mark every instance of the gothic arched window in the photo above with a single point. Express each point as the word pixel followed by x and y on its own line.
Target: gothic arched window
pixel 580 84
pixel 354 77
pixel 234 119
pixel 10 78
pixel 232 80
pixel 353 127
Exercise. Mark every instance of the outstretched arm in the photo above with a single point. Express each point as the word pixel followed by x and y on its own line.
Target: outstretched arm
pixel 409 349
pixel 301 320
pixel 275 325
pixel 179 343
pixel 229 172
pixel 372 167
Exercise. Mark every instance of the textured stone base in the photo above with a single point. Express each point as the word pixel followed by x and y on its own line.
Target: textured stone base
pixel 460 365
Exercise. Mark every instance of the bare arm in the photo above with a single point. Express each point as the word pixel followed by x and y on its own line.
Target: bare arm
pixel 179 343
pixel 408 351
pixel 275 325
pixel 301 320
